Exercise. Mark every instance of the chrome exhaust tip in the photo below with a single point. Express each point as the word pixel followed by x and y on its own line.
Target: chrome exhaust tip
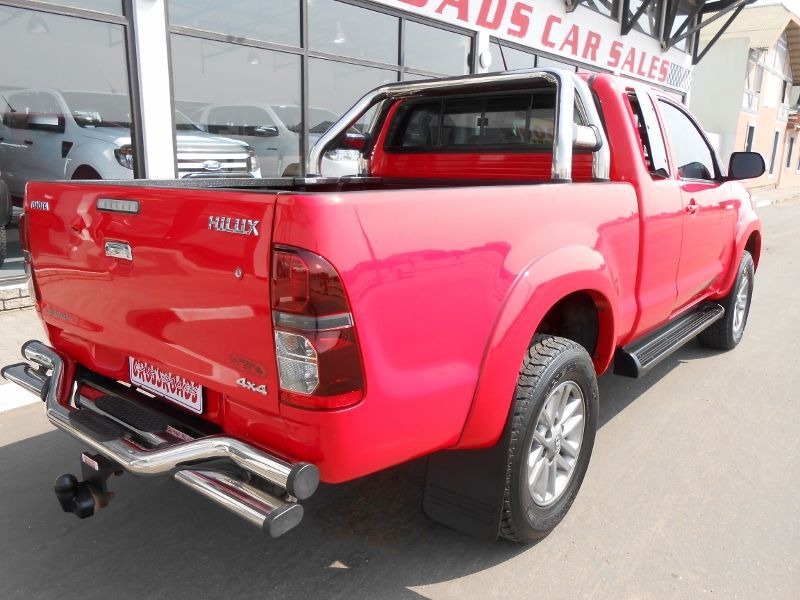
pixel 268 513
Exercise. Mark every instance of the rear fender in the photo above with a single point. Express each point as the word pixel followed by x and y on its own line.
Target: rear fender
pixel 537 289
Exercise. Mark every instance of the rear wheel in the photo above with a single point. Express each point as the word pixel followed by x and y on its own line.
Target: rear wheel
pixel 726 333
pixel 552 435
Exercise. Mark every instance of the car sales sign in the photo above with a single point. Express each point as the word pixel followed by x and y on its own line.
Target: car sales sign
pixel 582 35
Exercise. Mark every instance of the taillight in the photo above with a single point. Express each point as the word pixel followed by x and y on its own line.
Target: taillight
pixel 24 242
pixel 319 361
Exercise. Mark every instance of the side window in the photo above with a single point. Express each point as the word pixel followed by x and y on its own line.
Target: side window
pixel 15 114
pixel 513 122
pixel 419 125
pixel 692 153
pixel 650 138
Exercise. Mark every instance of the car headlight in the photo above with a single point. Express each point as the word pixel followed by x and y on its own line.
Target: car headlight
pixel 343 154
pixel 124 156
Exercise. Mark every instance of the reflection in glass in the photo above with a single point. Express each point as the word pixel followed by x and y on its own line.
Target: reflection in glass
pixel 497 58
pixel 231 92
pixel 543 61
pixel 437 50
pixel 107 6
pixel 353 31
pixel 266 20
pixel 607 8
pixel 64 103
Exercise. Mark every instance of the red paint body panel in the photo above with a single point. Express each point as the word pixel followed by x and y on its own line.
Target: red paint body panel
pixel 446 285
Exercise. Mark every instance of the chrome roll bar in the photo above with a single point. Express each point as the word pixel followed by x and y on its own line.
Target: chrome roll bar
pixel 567 134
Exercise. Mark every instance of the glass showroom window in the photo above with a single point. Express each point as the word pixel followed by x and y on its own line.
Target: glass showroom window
pixel 347 30
pixel 275 21
pixel 335 87
pixel 649 21
pixel 436 50
pixel 113 7
pixel 514 59
pixel 237 109
pixel 64 102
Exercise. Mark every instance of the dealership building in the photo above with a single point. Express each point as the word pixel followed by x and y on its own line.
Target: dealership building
pixel 275 73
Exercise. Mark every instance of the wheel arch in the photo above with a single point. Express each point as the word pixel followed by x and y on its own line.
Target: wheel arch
pixel 542 291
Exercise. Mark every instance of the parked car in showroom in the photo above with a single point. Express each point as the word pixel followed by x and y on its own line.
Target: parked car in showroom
pixel 48 134
pixel 273 130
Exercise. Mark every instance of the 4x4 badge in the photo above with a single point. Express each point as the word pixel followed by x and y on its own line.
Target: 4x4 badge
pixel 231 225
pixel 249 385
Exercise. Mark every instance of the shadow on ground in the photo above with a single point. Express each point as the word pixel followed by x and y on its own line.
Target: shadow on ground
pixel 364 539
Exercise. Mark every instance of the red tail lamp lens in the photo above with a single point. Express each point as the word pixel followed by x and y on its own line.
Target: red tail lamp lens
pixel 319 360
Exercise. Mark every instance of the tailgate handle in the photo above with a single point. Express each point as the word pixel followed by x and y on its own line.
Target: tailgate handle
pixel 119 250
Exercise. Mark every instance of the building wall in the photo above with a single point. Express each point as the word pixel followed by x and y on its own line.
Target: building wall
pixel 717 88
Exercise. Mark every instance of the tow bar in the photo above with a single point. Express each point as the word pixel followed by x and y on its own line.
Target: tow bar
pixel 127 435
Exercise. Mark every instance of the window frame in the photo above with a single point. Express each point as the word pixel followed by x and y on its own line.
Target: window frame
pixel 719 174
pixel 390 147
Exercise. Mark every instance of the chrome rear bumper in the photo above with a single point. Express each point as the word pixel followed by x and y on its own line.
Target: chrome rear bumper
pixel 146 453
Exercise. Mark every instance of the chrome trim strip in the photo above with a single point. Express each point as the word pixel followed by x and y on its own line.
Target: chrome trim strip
pixel 309 323
pixel 567 83
pixel 299 479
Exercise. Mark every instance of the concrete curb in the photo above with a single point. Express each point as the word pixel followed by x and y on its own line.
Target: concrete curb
pixel 762 200
pixel 15 296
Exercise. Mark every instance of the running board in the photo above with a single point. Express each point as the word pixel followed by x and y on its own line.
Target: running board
pixel 635 359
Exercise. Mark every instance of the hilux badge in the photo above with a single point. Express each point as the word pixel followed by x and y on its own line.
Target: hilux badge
pixel 231 225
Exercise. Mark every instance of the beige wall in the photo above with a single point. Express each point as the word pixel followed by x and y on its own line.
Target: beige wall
pixel 766 123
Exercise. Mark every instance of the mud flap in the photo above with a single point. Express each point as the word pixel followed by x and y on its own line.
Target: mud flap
pixel 464 489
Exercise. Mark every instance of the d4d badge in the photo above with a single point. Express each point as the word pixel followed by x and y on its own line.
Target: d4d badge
pixel 231 225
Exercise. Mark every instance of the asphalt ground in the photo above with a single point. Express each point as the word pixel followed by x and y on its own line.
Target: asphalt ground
pixel 693 491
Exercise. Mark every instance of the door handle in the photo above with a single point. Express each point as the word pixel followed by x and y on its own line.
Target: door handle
pixel 692 207
pixel 28 142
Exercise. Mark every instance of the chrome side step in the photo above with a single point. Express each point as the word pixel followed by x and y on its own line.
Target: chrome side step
pixel 137 439
pixel 635 359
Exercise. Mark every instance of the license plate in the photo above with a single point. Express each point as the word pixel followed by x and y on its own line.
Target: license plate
pixel 179 390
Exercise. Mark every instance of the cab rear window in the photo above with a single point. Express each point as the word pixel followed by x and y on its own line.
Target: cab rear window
pixel 502 122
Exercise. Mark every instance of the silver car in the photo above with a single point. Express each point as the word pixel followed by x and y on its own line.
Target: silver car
pixel 273 130
pixel 49 134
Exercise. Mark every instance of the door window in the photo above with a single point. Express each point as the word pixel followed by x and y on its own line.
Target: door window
pixel 692 153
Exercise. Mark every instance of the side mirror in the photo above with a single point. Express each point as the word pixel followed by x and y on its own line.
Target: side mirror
pixel 352 140
pixel 49 123
pixel 746 165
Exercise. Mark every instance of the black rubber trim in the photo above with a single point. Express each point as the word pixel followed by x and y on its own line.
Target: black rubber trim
pixel 303 480
pixel 135 416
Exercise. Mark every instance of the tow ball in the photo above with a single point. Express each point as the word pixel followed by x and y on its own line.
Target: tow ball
pixel 85 498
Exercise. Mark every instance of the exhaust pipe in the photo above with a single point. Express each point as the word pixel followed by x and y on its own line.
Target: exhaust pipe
pixel 255 506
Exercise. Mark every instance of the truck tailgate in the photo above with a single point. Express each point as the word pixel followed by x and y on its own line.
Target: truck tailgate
pixel 190 305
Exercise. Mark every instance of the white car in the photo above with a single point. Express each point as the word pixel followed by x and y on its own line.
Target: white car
pixel 273 130
pixel 49 134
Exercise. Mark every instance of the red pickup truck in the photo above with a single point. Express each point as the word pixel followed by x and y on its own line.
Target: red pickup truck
pixel 511 237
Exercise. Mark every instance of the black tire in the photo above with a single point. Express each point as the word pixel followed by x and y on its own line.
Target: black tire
pixel 2 245
pixel 550 362
pixel 723 335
